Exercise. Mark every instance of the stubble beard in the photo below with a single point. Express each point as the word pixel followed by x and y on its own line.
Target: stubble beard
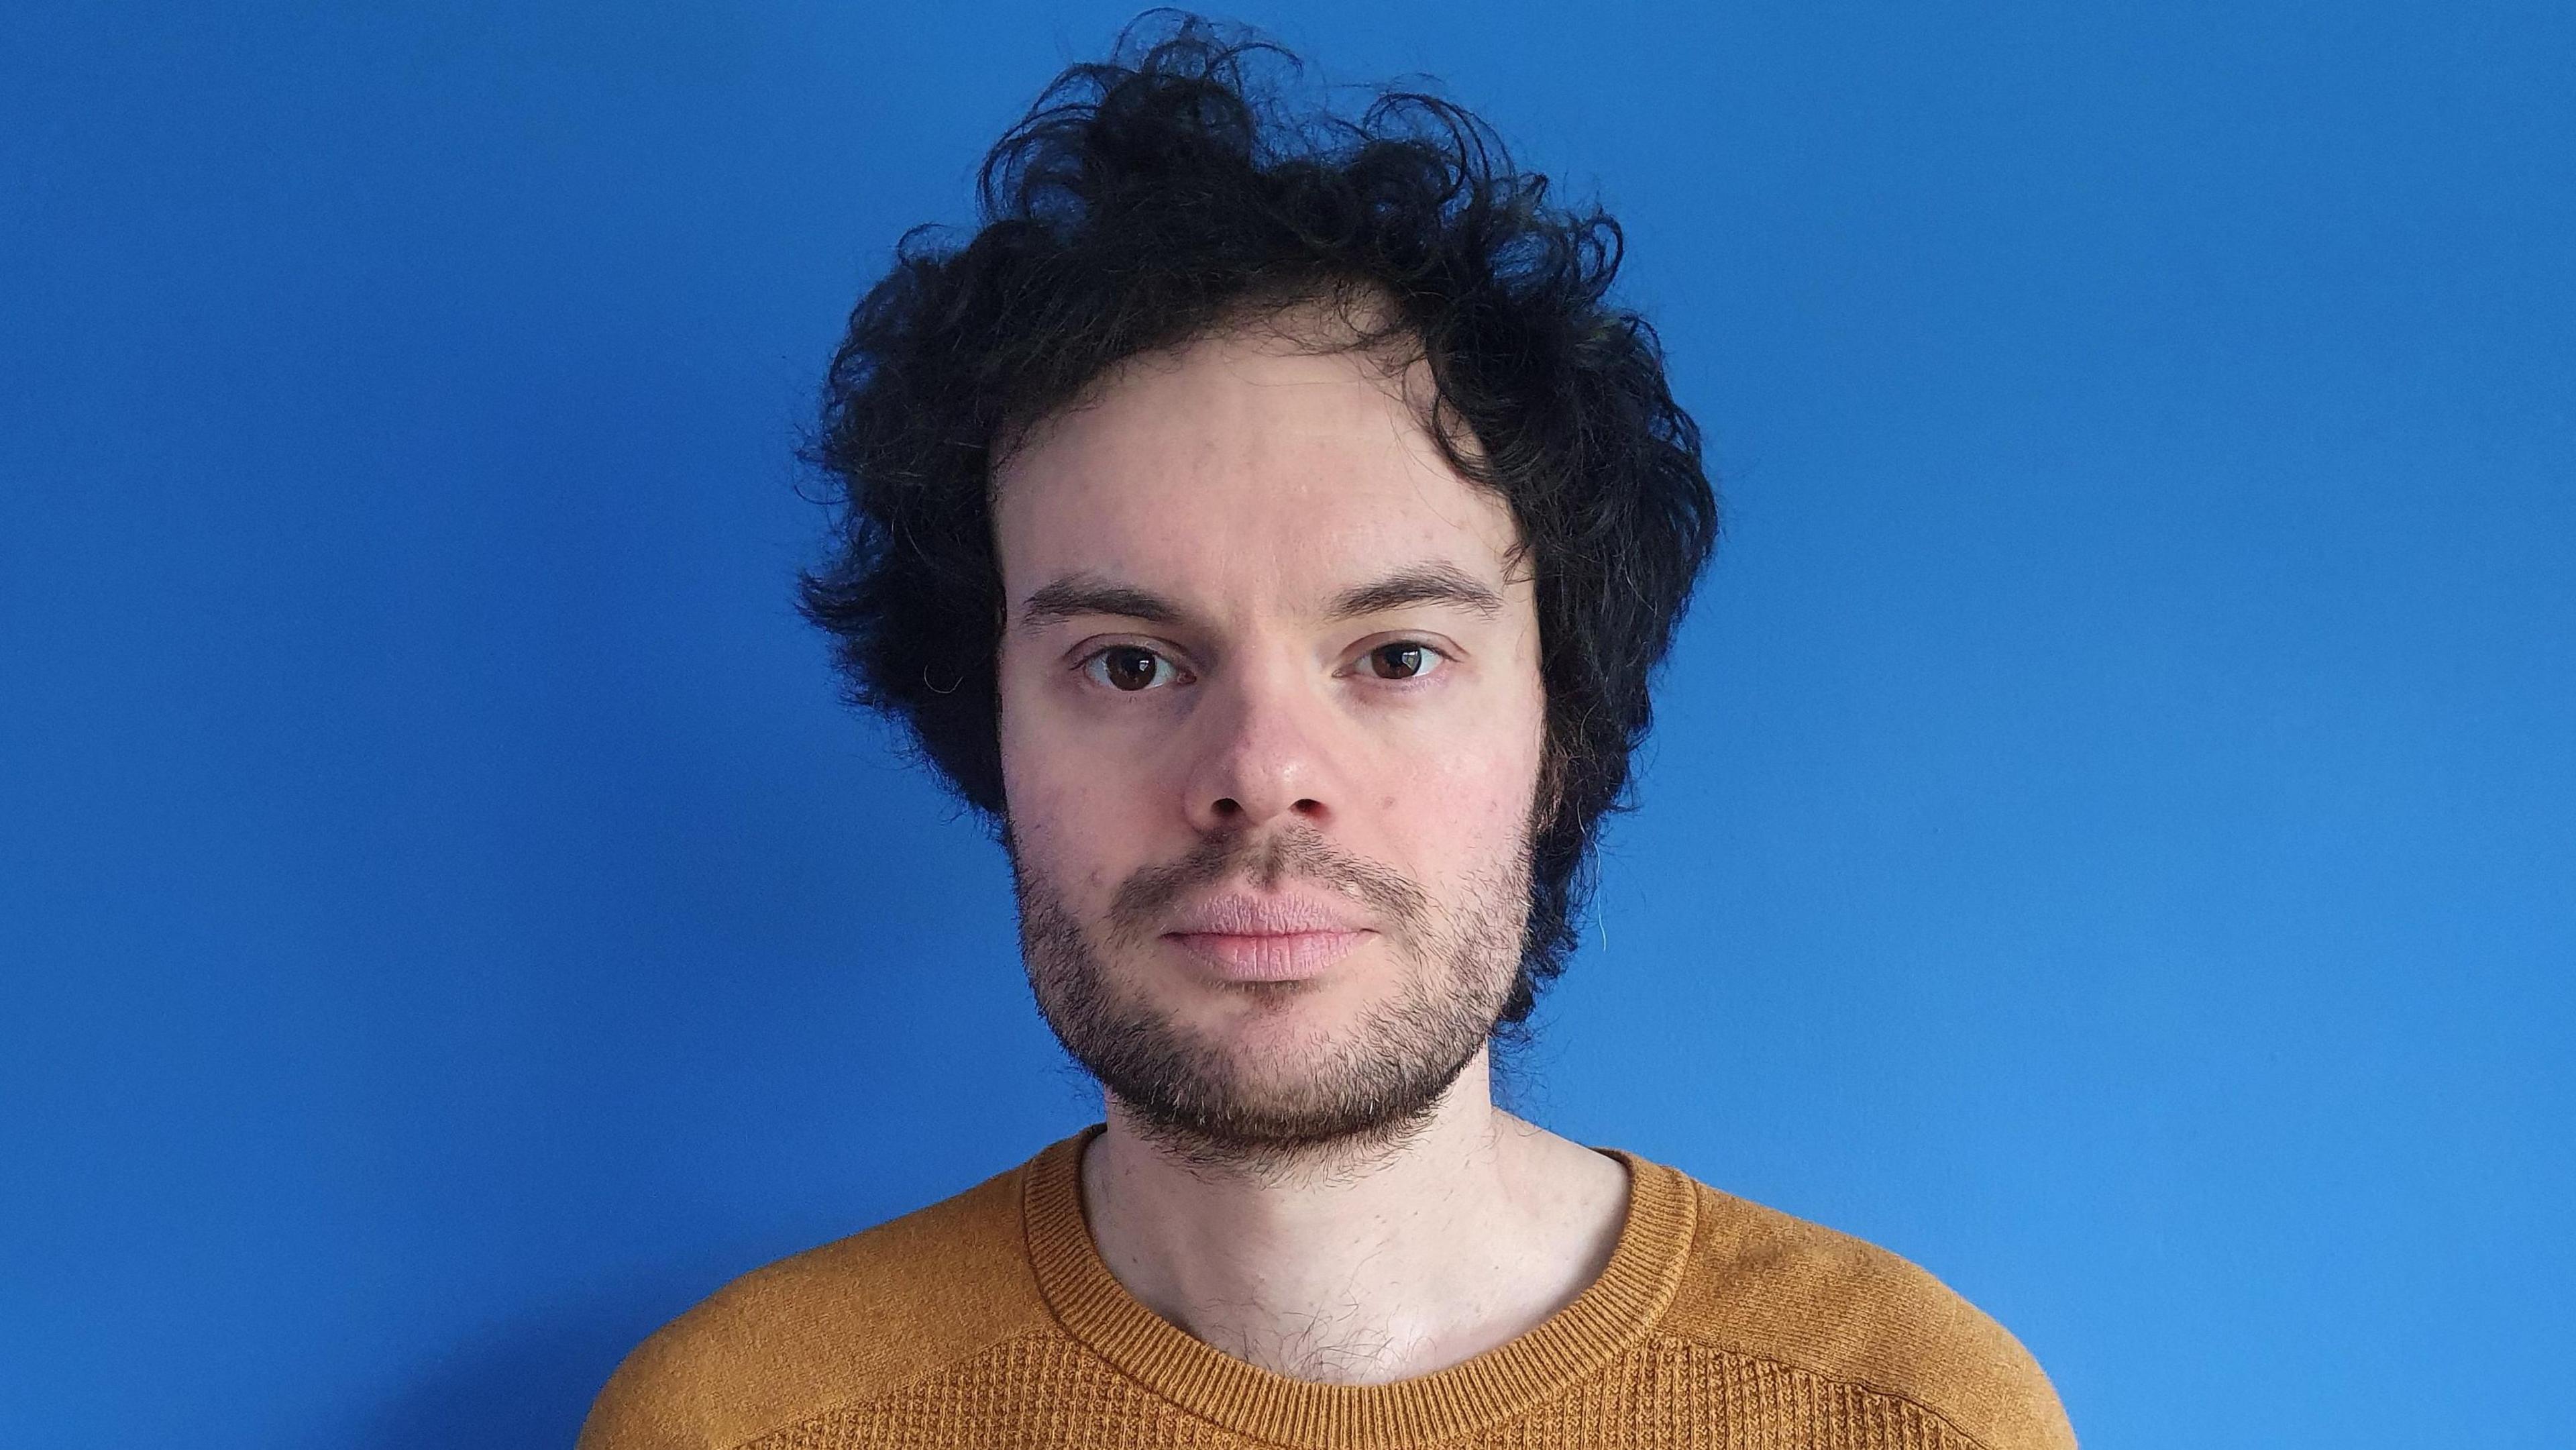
pixel 1365 1092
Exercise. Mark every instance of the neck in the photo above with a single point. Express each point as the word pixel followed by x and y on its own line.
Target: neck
pixel 1362 1265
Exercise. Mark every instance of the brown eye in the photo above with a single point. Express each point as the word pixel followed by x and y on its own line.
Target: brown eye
pixel 1128 667
pixel 1401 661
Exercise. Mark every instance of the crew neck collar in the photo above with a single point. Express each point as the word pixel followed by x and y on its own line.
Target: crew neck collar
pixel 1614 1312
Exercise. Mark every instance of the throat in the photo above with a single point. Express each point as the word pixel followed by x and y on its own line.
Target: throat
pixel 1469 1235
pixel 1340 1346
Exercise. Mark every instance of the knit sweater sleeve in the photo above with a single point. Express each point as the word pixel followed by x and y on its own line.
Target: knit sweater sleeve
pixel 838 1325
pixel 1769 1286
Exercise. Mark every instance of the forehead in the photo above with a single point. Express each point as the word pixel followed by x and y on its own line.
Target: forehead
pixel 1244 469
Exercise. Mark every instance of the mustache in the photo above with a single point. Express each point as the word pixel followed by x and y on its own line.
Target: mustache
pixel 1299 854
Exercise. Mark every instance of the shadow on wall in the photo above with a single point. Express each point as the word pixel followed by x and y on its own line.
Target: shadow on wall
pixel 527 1381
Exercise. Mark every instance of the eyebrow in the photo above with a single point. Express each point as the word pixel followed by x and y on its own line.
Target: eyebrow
pixel 1423 584
pixel 1077 596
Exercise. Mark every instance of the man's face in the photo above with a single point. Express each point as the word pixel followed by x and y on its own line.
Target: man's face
pixel 1271 725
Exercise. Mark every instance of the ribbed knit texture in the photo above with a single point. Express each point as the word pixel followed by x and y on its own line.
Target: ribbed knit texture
pixel 991 1321
pixel 1577 1342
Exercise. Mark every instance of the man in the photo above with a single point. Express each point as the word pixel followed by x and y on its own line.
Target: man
pixel 1269 526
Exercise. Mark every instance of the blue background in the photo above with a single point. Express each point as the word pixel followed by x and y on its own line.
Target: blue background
pixel 2111 836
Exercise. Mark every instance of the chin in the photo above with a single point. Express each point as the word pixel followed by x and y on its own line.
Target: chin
pixel 1284 1022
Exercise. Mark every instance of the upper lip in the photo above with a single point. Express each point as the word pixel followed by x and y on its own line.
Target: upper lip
pixel 1238 913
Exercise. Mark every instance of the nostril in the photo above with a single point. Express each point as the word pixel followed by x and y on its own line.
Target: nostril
pixel 1228 807
pixel 1309 807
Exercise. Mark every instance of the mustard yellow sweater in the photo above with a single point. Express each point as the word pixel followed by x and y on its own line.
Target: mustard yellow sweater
pixel 990 1320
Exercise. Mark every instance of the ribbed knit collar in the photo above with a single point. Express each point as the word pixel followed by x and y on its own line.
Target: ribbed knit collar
pixel 1571 1344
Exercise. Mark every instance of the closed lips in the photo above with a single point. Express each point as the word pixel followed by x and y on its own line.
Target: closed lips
pixel 1254 939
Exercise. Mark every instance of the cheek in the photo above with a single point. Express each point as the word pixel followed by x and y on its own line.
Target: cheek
pixel 1069 808
pixel 1466 799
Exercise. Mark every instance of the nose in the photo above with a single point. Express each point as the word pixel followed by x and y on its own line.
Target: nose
pixel 1261 757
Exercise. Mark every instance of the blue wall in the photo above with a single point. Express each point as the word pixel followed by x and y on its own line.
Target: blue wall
pixel 2112 835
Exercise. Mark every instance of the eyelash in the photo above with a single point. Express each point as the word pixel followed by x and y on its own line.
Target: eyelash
pixel 1434 659
pixel 1094 665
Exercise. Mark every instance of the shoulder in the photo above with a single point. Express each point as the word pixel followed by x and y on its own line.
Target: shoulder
pixel 1770 1286
pixel 838 1324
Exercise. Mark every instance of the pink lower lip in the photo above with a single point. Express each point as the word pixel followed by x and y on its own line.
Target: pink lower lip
pixel 1284 957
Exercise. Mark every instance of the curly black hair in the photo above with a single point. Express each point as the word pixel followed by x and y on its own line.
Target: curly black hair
pixel 1172 192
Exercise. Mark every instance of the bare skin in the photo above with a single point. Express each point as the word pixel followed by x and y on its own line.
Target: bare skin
pixel 1478 1229
pixel 1248 600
